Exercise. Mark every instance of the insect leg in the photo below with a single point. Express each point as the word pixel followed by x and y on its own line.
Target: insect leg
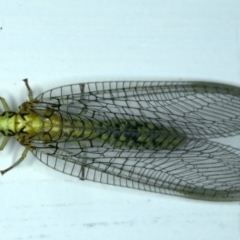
pixel 5 105
pixel 4 142
pixel 24 154
pixel 30 93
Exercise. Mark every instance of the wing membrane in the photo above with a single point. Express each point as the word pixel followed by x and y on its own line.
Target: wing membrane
pixel 198 109
pixel 198 168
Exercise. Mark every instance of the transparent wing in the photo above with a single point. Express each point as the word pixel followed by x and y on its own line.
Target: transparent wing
pixel 198 109
pixel 187 111
pixel 201 169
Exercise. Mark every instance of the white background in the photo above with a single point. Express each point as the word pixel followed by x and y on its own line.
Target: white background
pixel 55 43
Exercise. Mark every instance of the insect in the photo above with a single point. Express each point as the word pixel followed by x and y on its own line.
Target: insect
pixel 153 136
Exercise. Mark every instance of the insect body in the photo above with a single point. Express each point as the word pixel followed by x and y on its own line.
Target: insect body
pixel 146 135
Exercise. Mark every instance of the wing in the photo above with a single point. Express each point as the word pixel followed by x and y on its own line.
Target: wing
pixel 198 168
pixel 198 109
pixel 201 169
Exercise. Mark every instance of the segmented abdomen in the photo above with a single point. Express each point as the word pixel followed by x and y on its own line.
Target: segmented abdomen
pixel 118 133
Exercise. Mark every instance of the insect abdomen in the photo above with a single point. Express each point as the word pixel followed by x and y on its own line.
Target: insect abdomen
pixel 119 133
pixel 139 135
